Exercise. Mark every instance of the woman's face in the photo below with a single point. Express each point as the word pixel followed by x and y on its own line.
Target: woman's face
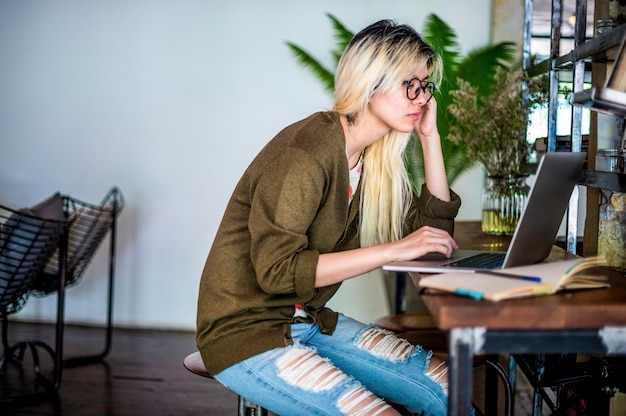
pixel 395 110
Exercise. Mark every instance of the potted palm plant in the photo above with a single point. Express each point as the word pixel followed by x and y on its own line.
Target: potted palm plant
pixel 477 67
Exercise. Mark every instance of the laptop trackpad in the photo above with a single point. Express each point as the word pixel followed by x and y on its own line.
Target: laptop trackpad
pixel 456 255
pixel 431 257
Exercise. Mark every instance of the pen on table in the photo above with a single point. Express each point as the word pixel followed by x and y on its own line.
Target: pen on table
pixel 511 276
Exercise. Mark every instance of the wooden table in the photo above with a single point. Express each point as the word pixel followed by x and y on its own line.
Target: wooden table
pixel 587 321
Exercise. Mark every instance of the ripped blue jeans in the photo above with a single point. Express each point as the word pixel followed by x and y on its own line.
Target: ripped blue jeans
pixel 347 373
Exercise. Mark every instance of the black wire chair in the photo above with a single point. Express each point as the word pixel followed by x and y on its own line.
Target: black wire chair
pixel 27 240
pixel 89 224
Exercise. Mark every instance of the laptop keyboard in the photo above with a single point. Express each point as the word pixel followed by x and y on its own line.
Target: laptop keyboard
pixel 484 260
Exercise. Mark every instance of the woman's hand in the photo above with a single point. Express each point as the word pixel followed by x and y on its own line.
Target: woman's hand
pixel 422 241
pixel 426 124
pixel 434 167
pixel 341 265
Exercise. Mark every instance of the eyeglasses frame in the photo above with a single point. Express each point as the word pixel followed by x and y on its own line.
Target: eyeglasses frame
pixel 424 87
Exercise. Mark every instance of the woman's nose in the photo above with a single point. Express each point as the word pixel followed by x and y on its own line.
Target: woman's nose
pixel 419 100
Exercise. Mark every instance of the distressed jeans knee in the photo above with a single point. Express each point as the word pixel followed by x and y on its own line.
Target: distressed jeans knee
pixel 303 368
pixel 386 344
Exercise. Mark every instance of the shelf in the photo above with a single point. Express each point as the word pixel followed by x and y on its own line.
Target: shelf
pixel 604 100
pixel 595 49
pixel 611 181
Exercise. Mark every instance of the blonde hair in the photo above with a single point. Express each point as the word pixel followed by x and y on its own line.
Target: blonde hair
pixel 377 61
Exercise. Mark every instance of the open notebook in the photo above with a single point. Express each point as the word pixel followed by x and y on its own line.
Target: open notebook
pixel 545 278
pixel 536 229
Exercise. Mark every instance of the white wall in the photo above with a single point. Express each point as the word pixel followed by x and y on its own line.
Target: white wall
pixel 170 100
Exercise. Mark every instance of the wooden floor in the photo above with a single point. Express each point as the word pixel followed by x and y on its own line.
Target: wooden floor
pixel 142 375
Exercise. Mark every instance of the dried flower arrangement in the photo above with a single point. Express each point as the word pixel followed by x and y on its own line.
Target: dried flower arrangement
pixel 493 127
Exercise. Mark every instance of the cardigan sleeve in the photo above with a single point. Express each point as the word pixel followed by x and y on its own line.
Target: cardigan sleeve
pixel 427 209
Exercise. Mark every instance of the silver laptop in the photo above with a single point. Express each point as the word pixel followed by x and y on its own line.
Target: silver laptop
pixel 536 229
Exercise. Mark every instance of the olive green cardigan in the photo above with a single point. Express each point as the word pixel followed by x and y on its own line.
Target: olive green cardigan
pixel 290 205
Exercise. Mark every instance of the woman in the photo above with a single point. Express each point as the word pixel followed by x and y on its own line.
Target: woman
pixel 326 200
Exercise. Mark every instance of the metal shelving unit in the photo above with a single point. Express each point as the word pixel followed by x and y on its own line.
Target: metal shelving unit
pixel 586 62
pixel 602 99
pixel 603 180
pixel 579 62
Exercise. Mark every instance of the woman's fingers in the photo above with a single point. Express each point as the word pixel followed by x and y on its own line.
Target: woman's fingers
pixel 426 240
pixel 427 123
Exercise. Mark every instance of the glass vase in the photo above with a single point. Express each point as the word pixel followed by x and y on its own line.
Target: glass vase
pixel 503 200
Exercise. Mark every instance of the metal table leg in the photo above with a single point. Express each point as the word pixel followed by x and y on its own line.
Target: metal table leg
pixel 460 378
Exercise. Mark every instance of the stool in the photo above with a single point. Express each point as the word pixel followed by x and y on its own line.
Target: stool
pixel 193 362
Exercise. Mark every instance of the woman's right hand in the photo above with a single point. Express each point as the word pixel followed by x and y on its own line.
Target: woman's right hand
pixel 338 266
pixel 422 241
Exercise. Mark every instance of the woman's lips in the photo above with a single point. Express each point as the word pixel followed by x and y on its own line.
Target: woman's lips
pixel 414 116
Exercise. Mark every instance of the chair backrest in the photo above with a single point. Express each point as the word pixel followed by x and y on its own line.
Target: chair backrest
pixel 26 242
pixel 88 226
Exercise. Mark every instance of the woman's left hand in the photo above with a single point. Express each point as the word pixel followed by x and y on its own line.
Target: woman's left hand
pixel 426 124
pixel 434 166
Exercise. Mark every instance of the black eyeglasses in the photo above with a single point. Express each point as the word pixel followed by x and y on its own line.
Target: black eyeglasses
pixel 415 86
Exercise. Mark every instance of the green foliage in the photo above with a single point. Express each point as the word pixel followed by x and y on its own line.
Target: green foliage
pixel 492 126
pixel 477 67
pixel 326 76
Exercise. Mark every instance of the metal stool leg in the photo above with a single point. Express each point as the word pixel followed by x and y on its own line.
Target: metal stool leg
pixel 249 408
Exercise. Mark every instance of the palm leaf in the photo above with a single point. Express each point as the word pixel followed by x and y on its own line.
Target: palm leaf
pixel 343 36
pixel 325 76
pixel 443 39
pixel 489 58
pixel 414 163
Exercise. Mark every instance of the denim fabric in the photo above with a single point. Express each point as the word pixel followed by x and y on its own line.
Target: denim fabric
pixel 401 381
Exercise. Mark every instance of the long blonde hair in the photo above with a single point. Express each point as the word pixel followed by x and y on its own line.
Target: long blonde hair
pixel 377 61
